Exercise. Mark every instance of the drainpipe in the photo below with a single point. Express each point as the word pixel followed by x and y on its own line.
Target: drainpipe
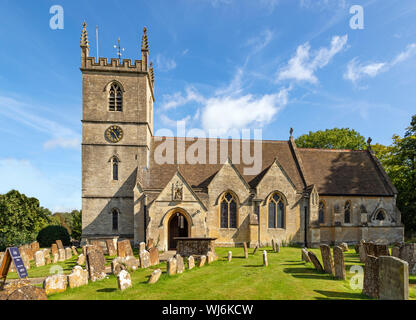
pixel 144 218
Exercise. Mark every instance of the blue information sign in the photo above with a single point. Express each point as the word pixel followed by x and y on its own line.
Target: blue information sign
pixel 18 262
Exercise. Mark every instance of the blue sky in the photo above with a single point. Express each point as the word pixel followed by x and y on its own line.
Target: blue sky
pixel 270 64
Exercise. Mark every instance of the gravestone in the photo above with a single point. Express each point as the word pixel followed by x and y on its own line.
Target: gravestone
pixel 111 250
pixel 339 263
pixel 382 250
pixel 117 265
pixel 277 247
pixel 191 262
pixel 149 244
pixel 55 258
pixel 54 248
pixel 35 246
pixel 55 284
pixel 124 249
pixel 265 260
pixel 273 245
pixel 230 256
pixel 81 259
pixel 370 249
pixel 142 247
pixel 180 265
pixel 408 254
pixel 395 252
pixel 344 246
pixel 144 259
pixel 154 256
pixel 393 279
pixel 30 254
pixel 210 257
pixel 59 244
pixel 95 264
pixel 25 258
pixel 255 249
pixel 357 248
pixel 28 293
pixel 154 277
pixel 371 277
pixel 132 263
pixel 74 251
pixel 305 256
pixel 78 277
pixel 68 253
pixel 363 253
pixel 245 250
pixel 315 261
pixel 327 259
pixel 62 254
pixel 171 266
pixel 39 258
pixel 201 261
pixel 124 280
pixel 47 257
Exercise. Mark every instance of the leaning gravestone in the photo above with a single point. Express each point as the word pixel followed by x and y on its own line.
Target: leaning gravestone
pixel 78 277
pixel 327 259
pixel 371 277
pixel 54 248
pixel 191 262
pixel 59 244
pixel 180 265
pixel 144 259
pixel 265 260
pixel 171 266
pixel 393 279
pixel 96 265
pixel 111 250
pixel 315 261
pixel 245 250
pixel 305 256
pixel 55 284
pixel 39 258
pixel 124 248
pixel 124 280
pixel 339 263
pixel 154 277
pixel 154 256
pixel 255 249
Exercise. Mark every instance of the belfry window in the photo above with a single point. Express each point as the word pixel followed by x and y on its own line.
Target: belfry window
pixel 115 164
pixel 277 210
pixel 322 209
pixel 115 98
pixel 115 214
pixel 228 211
pixel 347 212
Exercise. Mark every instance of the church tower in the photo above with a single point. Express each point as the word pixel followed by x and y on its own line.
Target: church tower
pixel 117 130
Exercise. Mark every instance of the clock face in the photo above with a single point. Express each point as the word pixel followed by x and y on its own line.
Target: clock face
pixel 114 134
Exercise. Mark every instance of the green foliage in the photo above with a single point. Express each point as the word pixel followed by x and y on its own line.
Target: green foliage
pixel 20 219
pixel 344 138
pixel 76 224
pixel 50 234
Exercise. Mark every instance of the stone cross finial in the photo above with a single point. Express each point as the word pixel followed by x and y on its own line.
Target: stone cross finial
pixel 145 43
pixel 291 131
pixel 369 141
pixel 84 35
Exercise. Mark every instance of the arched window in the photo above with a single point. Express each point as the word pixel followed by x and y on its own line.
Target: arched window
pixel 114 214
pixel 228 211
pixel 322 209
pixel 276 211
pixel 347 212
pixel 114 164
pixel 115 97
pixel 381 215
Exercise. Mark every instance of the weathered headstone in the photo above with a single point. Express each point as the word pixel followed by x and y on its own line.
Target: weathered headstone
pixel 54 248
pixel 305 256
pixel 81 259
pixel 68 253
pixel 265 260
pixel 395 252
pixel 35 246
pixel 124 280
pixel 154 256
pixel 191 262
pixel 55 284
pixel 210 257
pixel 344 246
pixel 171 266
pixel 78 277
pixel 201 261
pixel 273 245
pixel 255 249
pixel 95 265
pixel 28 293
pixel 230 256
pixel 62 255
pixel 393 279
pixel 180 265
pixel 117 265
pixel 149 244
pixel 371 277
pixel 363 253
pixel 24 256
pixel 124 249
pixel 142 246
pixel 382 250
pixel 339 263
pixel 315 261
pixel 277 247
pixel 132 263
pixel 59 244
pixel 55 258
pixel 74 251
pixel 111 250
pixel 370 248
pixel 39 258
pixel 245 250
pixel 327 259
pixel 408 254
pixel 144 259
pixel 47 257
pixel 154 277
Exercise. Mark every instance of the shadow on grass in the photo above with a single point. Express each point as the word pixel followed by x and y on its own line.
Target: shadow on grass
pixel 107 290
pixel 339 295
pixel 253 266
pixel 306 273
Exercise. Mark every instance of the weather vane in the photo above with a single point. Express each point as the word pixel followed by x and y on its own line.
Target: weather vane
pixel 118 47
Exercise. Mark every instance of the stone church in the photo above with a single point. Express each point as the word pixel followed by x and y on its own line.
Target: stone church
pixel 303 196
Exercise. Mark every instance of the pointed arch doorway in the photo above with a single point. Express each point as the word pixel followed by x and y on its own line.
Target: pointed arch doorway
pixel 178 226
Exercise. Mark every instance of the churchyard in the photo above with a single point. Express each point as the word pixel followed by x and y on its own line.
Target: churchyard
pixel 234 273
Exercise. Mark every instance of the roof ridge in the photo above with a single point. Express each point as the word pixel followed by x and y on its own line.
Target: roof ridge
pixel 228 139
pixel 331 150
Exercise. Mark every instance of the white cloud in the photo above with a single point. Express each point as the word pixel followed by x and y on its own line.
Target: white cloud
pixel 178 99
pixel 303 65
pixel 60 136
pixel 164 64
pixel 261 40
pixel 356 70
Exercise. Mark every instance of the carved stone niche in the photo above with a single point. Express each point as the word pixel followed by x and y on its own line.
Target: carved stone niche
pixel 177 191
pixel 364 215
pixel 254 219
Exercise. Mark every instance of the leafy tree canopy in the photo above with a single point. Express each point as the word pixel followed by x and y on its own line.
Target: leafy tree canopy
pixel 336 138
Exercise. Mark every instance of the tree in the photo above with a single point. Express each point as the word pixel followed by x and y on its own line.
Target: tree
pixel 76 224
pixel 20 219
pixel 336 138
